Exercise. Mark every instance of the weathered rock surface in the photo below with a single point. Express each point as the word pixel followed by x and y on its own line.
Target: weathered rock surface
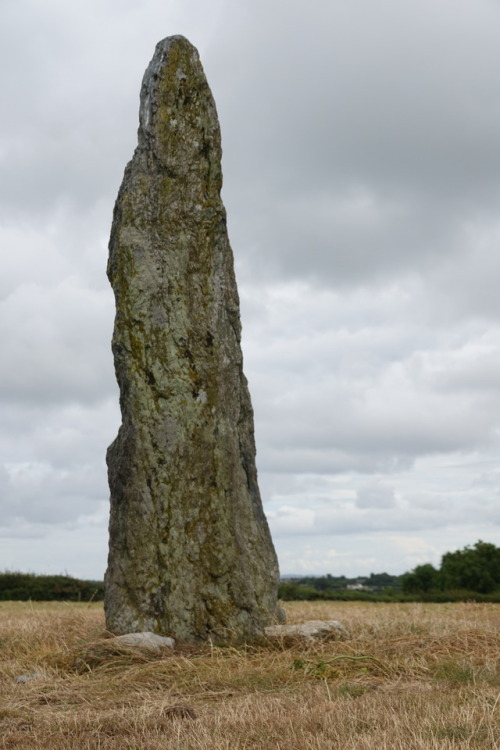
pixel 190 551
pixel 310 631
pixel 147 641
pixel 22 679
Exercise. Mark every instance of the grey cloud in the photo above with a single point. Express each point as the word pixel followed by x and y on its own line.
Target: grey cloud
pixel 340 518
pixel 358 397
pixel 56 343
pixel 60 131
pixel 36 493
pixel 331 120
pixel 61 437
pixel 362 184
pixel 375 496
pixel 464 285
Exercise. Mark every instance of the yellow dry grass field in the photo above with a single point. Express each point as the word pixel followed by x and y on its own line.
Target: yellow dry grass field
pixel 407 677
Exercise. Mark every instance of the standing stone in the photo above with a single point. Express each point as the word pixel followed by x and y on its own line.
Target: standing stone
pixel 190 553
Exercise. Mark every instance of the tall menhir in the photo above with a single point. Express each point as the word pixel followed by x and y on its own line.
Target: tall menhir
pixel 190 551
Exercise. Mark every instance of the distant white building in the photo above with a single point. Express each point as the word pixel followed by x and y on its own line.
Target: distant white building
pixel 358 586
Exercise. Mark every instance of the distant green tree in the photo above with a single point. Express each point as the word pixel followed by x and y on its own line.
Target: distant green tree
pixel 382 580
pixel 421 579
pixel 474 568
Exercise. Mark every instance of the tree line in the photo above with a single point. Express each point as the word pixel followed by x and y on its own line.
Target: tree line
pixel 474 568
pixel 469 573
pixel 39 588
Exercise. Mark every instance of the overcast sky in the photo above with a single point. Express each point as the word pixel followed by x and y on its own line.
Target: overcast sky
pixel 362 181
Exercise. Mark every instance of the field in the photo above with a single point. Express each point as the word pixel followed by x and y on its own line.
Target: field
pixel 408 677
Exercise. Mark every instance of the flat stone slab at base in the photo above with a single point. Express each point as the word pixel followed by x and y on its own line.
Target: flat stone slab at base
pixel 312 630
pixel 149 641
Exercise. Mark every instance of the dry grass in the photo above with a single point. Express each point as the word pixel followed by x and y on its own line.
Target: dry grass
pixel 409 677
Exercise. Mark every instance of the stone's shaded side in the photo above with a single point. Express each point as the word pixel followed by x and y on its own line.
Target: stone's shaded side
pixel 190 551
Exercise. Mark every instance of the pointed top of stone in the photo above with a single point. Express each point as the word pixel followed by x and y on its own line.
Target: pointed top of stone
pixel 177 110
